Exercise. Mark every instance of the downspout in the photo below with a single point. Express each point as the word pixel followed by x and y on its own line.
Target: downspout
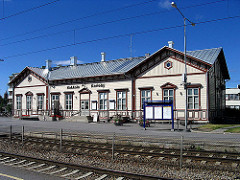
pixel 133 98
pixel 133 91
pixel 47 93
pixel 208 95
pixel 13 101
pixel 208 104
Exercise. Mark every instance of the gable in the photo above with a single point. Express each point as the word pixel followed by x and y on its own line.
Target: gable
pixel 170 66
pixel 30 80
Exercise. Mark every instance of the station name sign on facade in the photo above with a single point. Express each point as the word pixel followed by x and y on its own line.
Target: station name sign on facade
pixel 92 86
pixel 97 85
pixel 73 87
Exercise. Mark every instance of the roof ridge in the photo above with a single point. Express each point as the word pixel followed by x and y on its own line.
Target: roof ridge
pixel 120 59
pixel 206 49
pixel 34 67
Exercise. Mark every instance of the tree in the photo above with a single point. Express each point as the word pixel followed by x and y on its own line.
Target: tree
pixel 4 106
pixel 1 104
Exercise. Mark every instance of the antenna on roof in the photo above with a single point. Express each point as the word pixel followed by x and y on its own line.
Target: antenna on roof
pixel 131 45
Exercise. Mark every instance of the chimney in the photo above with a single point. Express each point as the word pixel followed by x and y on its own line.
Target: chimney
pixel 147 55
pixel 103 56
pixel 48 64
pixel 73 61
pixel 170 44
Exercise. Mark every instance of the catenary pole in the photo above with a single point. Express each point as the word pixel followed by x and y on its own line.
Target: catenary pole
pixel 173 4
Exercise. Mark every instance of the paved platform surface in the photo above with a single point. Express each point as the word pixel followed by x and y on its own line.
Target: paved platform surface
pixel 156 129
pixel 222 130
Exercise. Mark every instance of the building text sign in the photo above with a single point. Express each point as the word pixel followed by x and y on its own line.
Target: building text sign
pixel 97 85
pixel 73 87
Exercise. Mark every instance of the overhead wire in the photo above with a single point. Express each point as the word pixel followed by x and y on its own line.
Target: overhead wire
pixel 107 22
pixel 27 10
pixel 3 9
pixel 81 18
pixel 118 36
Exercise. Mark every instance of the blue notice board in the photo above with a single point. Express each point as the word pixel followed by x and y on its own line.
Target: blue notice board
pixel 158 110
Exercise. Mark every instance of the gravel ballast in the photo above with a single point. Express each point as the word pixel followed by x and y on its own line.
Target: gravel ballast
pixel 147 167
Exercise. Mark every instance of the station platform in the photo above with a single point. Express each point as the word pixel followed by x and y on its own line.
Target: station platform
pixel 158 129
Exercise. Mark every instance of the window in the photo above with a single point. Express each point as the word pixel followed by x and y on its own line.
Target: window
pixel 168 94
pixel 193 98
pixel 55 101
pixel 40 102
pixel 232 97
pixel 69 102
pixel 29 102
pixel 19 102
pixel 168 65
pixel 84 104
pixel 103 101
pixel 121 100
pixel 145 96
pixel 227 97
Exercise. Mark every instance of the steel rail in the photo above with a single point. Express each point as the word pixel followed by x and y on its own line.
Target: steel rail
pixel 202 155
pixel 87 168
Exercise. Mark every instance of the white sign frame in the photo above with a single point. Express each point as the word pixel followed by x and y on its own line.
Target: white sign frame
pixel 167 112
pixel 149 112
pixel 94 105
pixel 112 104
pixel 158 112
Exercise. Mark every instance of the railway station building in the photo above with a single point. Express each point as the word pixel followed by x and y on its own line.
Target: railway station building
pixel 233 98
pixel 110 87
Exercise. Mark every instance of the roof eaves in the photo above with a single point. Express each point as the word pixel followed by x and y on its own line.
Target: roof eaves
pixel 37 73
pixel 145 59
pixel 18 75
pixel 171 49
pixel 226 68
pixel 188 56
pixel 211 54
pixel 113 74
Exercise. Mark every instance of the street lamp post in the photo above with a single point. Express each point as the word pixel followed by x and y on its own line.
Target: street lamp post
pixel 173 4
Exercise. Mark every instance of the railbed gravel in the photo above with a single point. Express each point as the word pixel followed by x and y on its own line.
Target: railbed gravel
pixel 141 167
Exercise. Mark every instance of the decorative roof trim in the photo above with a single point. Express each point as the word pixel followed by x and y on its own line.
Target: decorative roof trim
pixel 85 91
pixel 29 93
pixel 146 88
pixel 169 49
pixel 188 56
pixel 168 85
pixel 122 89
pixel 166 66
pixel 194 85
pixel 31 71
pixel 107 75
pixel 68 92
pixel 55 93
pixel 103 90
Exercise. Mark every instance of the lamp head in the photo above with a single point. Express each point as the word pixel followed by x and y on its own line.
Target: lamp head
pixel 173 4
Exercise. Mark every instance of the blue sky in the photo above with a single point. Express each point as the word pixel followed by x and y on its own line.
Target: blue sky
pixel 39 29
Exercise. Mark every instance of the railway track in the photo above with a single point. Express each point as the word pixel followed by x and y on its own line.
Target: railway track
pixel 68 171
pixel 230 161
